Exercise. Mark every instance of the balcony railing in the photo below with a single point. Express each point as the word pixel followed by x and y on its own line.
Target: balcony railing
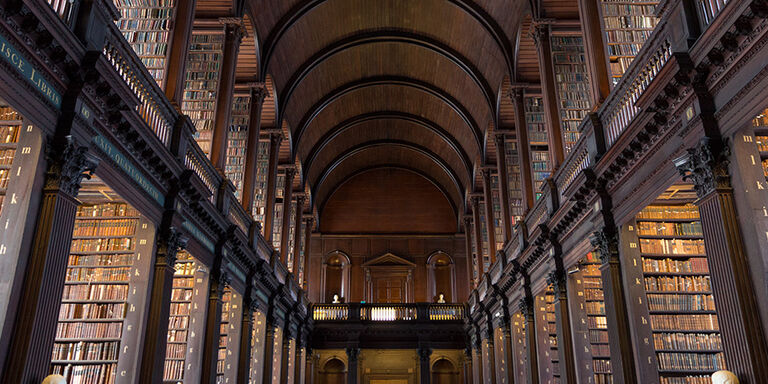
pixel 388 312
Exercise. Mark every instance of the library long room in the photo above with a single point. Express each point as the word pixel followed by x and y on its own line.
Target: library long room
pixel 383 192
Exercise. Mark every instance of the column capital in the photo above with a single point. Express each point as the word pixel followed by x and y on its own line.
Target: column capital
pixel 300 199
pixel 540 30
pixel 353 354
pixel 487 172
pixel 424 353
pixel 526 306
pixel 69 165
pixel 499 139
pixel 558 279
pixel 259 92
pixel 706 165
pixel 275 137
pixel 290 172
pixel 607 244
pixel 234 27
pixel 170 244
pixel 475 200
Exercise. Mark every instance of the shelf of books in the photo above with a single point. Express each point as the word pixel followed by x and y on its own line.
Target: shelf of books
pixel 760 125
pixel 590 328
pixel 187 301
pixel 237 138
pixel 277 221
pixel 475 259
pixel 678 294
pixel 291 236
pixel 229 336
pixel 104 291
pixel 146 25
pixel 549 367
pixel 627 25
pixel 486 257
pixel 497 224
pixel 538 140
pixel 277 356
pixel 201 83
pixel 10 126
pixel 514 181
pixel 520 352
pixel 572 82
pixel 260 190
pixel 302 253
pixel 499 355
pixel 257 346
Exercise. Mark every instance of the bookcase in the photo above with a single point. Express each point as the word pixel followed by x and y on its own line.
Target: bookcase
pixel 538 141
pixel 291 235
pixel 302 253
pixel 520 352
pixel 229 336
pixel 497 225
pixel 572 82
pixel 10 126
pixel 627 25
pixel 679 305
pixel 257 346
pixel 475 255
pixel 589 326
pixel 201 83
pixel 104 293
pixel 500 363
pixel 277 357
pixel 760 125
pixel 546 336
pixel 146 25
pixel 483 253
pixel 260 190
pixel 188 299
pixel 237 141
pixel 514 181
pixel 277 222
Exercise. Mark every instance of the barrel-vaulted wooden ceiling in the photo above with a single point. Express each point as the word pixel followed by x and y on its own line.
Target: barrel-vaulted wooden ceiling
pixel 414 84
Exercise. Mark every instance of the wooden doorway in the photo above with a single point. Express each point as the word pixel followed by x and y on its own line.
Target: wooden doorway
pixel 389 279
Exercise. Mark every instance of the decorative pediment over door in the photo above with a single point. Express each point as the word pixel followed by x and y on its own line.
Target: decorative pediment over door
pixel 389 279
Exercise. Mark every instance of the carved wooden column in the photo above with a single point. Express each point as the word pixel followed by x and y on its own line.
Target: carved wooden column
pixel 489 225
pixel 501 166
pixel 523 149
pixel 526 308
pixel 309 367
pixel 504 325
pixel 617 318
pixel 269 350
pixel 285 359
pixel 299 215
pixel 744 344
pixel 594 51
pixel 259 93
pixel 425 374
pixel 38 310
pixel 217 282
pixel 287 202
pixel 178 47
pixel 468 365
pixel 353 354
pixel 269 207
pixel 170 242
pixel 549 91
pixel 233 36
pixel 468 243
pixel 565 350
pixel 478 235
pixel 298 362
pixel 477 360
pixel 307 248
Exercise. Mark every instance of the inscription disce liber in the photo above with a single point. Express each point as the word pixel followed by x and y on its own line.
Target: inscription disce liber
pixel 13 57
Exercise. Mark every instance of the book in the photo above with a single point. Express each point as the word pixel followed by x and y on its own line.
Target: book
pixel 627 25
pixel 572 83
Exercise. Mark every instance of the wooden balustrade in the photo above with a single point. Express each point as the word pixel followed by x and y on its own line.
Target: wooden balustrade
pixel 389 312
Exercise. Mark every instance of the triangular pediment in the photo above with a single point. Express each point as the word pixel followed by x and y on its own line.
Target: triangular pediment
pixel 388 259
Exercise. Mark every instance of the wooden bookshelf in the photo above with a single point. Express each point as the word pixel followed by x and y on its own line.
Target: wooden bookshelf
pixel 627 25
pixel 260 189
pixel 486 257
pixel 678 294
pixel 760 128
pixel 277 222
pixel 497 220
pixel 597 329
pixel 257 346
pixel 202 83
pixel 181 350
pixel 546 336
pixel 538 140
pixel 10 126
pixel 514 181
pixel 520 353
pixel 229 336
pixel 572 82
pixel 237 138
pixel 291 236
pixel 104 292
pixel 146 25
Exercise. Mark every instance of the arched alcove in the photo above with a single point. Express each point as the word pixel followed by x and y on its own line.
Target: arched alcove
pixel 444 372
pixel 441 277
pixel 335 276
pixel 333 372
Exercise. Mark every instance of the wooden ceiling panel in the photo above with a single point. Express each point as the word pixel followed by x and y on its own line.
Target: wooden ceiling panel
pixel 247 69
pixel 383 129
pixel 387 156
pixel 386 60
pixel 391 97
pixel 560 9
pixel 527 59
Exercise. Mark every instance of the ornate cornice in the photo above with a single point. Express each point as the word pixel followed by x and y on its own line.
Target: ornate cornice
pixel 69 166
pixel 171 243
pixel 607 244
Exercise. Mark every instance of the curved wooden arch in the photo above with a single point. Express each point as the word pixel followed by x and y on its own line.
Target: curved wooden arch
pixel 388 36
pixel 417 171
pixel 475 11
pixel 339 129
pixel 379 143
pixel 428 88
